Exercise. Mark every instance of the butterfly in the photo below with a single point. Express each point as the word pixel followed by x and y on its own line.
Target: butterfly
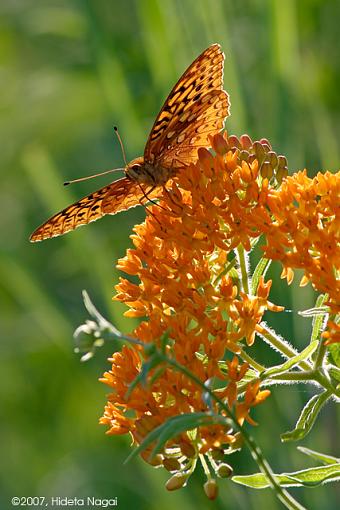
pixel 196 107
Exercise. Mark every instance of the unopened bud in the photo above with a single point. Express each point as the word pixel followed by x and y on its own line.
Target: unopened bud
pixel 224 471
pixel 171 464
pixel 187 449
pixel 237 444
pixel 266 170
pixel 281 173
pixel 244 155
pixel 233 142
pixel 211 489
pixel 272 158
pixel 217 454
pixel 282 161
pixel 246 142
pixel 266 144
pixel 220 144
pixel 156 460
pixel 259 151
pixel 176 482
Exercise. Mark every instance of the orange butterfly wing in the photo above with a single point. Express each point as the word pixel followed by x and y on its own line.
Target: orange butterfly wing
pixel 118 196
pixel 196 107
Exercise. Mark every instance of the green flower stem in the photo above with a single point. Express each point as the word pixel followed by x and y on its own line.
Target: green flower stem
pixel 265 468
pixel 254 364
pixel 320 355
pixel 224 272
pixel 192 466
pixel 312 376
pixel 242 257
pixel 294 376
pixel 282 346
pixel 205 466
pixel 326 383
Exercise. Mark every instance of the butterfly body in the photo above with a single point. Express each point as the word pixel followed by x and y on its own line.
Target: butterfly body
pixel 196 107
pixel 143 172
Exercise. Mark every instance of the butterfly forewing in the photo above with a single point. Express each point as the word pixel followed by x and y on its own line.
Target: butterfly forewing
pixel 118 196
pixel 210 118
pixel 196 107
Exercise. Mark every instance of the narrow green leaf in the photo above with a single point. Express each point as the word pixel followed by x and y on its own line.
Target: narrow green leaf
pixel 178 424
pixel 291 362
pixel 325 459
pixel 174 426
pixel 310 477
pixel 141 378
pixel 307 418
pixel 314 312
pixel 164 341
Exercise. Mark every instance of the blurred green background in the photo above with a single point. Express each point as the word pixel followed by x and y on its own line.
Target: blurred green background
pixel 70 70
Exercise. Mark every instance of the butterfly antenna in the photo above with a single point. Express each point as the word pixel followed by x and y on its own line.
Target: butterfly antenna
pixel 121 143
pixel 66 183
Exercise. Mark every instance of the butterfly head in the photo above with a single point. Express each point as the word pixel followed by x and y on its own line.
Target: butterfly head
pixel 135 170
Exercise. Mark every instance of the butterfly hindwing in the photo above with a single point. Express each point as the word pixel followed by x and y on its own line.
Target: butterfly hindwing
pixel 118 196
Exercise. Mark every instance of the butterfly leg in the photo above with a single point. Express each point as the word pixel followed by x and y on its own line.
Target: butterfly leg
pixel 169 195
pixel 145 195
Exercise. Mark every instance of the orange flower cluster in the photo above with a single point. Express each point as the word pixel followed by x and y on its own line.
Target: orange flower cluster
pixel 187 290
pixel 305 231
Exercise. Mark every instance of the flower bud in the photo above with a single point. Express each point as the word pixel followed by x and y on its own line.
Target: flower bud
pixel 187 449
pixel 244 155
pixel 237 444
pixel 266 144
pixel 155 461
pixel 220 144
pixel 246 142
pixel 176 482
pixel 259 151
pixel 224 471
pixel 233 142
pixel 266 170
pixel 272 158
pixel 282 161
pixel 171 464
pixel 217 454
pixel 211 489
pixel 281 173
